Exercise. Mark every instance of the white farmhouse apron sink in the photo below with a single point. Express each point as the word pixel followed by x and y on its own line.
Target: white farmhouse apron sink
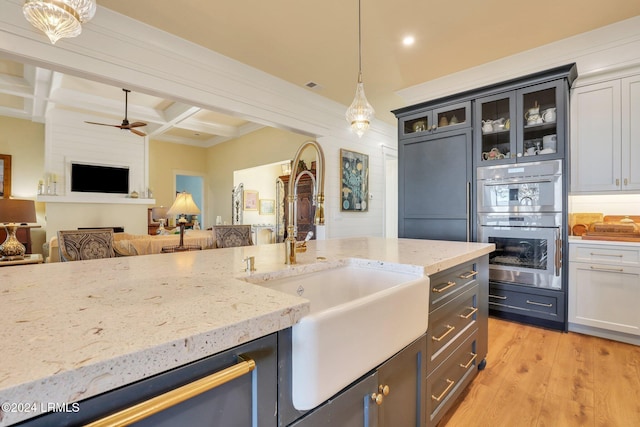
pixel 361 313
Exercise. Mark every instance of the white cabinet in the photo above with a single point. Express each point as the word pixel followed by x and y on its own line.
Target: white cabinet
pixel 604 289
pixel 605 136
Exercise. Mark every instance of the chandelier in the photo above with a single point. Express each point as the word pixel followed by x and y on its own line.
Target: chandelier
pixel 360 112
pixel 59 18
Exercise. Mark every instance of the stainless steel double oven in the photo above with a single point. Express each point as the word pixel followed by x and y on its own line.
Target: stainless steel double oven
pixel 520 210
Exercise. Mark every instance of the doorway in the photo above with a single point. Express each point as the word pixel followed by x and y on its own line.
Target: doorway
pixel 193 184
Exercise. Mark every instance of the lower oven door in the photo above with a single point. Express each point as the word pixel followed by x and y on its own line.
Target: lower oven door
pixel 528 256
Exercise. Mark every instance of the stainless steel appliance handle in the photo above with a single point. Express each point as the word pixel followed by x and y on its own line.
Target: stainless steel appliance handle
pixel 468 211
pixel 558 257
pixel 515 181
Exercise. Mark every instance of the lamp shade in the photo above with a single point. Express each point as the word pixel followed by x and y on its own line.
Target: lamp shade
pixel 14 211
pixel 184 205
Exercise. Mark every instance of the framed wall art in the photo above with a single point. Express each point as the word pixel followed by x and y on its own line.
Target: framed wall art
pixel 250 200
pixel 354 179
pixel 5 175
pixel 267 206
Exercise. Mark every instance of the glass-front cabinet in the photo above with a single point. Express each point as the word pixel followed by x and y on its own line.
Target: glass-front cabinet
pixel 522 125
pixel 434 120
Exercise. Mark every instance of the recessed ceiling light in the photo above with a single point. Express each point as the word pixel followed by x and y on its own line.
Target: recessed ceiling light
pixel 408 40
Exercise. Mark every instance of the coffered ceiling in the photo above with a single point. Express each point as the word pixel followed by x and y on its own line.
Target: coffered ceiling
pixel 302 41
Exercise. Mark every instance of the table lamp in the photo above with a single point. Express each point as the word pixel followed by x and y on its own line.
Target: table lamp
pixel 183 205
pixel 14 212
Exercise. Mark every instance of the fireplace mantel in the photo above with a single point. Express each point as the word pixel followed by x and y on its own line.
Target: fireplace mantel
pixel 95 199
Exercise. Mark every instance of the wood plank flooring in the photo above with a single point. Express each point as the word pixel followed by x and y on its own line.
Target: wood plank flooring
pixel 543 378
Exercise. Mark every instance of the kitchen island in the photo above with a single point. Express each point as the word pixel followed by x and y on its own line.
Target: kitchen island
pixel 71 331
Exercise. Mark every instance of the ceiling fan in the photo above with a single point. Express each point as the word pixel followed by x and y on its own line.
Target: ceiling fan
pixel 125 123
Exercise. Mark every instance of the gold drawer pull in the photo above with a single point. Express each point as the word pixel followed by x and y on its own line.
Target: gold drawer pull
pixel 541 304
pixel 597 254
pixel 497 296
pixel 473 357
pixel 474 310
pixel 171 398
pixel 468 275
pixel 619 270
pixel 444 288
pixel 449 330
pixel 445 392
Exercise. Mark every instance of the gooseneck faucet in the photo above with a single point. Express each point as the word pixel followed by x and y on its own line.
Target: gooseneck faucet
pixel 318 219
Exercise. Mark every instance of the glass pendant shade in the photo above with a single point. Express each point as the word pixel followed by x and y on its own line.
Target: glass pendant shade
pixel 59 18
pixel 360 113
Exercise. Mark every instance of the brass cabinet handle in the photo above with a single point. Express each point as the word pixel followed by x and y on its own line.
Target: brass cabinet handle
pixel 449 330
pixel 171 398
pixel 466 365
pixel 377 397
pixel 445 392
pixel 497 296
pixel 625 181
pixel 541 304
pixel 617 182
pixel 474 310
pixel 468 275
pixel 384 389
pixel 619 270
pixel 444 288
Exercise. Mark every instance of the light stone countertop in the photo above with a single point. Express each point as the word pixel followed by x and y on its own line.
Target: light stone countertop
pixel 577 239
pixel 74 330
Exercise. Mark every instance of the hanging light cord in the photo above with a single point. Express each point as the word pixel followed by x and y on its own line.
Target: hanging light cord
pixel 359 42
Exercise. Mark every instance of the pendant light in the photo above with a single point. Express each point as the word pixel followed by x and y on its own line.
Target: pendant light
pixel 59 18
pixel 360 113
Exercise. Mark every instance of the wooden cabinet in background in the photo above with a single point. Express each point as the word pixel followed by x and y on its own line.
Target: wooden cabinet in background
pixel 305 209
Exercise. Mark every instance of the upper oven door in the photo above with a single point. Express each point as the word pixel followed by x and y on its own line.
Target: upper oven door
pixel 535 187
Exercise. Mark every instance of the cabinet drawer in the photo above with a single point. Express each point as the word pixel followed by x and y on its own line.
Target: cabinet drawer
pixel 450 379
pixel 448 284
pixel 531 302
pixel 449 325
pixel 603 254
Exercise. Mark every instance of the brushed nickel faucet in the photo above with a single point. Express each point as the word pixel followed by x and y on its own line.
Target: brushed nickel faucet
pixel 318 219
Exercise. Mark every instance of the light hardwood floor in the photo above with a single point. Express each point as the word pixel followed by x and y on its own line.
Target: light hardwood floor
pixel 538 377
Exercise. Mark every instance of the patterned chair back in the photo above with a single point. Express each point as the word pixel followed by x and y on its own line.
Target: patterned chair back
pixel 76 245
pixel 231 236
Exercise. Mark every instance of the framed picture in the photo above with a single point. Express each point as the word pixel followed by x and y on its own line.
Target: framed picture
pixel 5 175
pixel 267 206
pixel 250 200
pixel 354 179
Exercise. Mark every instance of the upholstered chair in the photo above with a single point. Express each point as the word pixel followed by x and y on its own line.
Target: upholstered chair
pixel 76 245
pixel 230 236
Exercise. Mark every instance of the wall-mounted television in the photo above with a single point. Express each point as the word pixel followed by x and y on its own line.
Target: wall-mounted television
pixel 88 178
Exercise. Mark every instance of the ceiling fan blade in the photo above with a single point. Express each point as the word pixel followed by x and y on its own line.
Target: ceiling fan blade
pixel 137 124
pixel 137 132
pixel 102 124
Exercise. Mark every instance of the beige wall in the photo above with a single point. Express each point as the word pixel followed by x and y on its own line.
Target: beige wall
pixel 268 145
pixel 166 160
pixel 24 141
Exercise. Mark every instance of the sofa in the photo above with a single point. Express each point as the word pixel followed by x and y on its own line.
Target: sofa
pixel 126 244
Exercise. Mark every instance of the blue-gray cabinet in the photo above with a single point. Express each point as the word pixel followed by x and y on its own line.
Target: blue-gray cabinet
pixel 248 398
pixel 389 396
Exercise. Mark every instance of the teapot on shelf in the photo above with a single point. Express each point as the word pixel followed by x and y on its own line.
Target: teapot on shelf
pixel 487 126
pixel 498 124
